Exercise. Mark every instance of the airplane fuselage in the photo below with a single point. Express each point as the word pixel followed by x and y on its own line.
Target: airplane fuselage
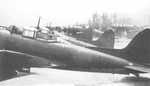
pixel 70 57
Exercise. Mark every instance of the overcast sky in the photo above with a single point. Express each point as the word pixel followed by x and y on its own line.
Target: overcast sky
pixel 65 12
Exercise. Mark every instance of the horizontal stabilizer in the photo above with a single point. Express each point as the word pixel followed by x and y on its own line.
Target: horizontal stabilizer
pixel 140 68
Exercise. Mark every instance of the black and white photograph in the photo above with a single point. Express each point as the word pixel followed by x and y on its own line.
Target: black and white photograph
pixel 74 42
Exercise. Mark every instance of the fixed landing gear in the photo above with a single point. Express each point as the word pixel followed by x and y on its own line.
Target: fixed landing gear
pixel 136 75
pixel 25 70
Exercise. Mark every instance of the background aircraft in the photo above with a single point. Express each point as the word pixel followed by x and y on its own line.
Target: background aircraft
pixel 104 40
pixel 95 37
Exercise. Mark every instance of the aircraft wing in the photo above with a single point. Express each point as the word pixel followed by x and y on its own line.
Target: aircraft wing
pixel 11 61
pixel 18 58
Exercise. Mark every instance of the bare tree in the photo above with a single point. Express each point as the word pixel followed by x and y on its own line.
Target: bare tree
pixel 106 22
pixel 94 22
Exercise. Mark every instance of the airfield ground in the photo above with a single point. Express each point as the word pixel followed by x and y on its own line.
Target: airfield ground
pixel 53 77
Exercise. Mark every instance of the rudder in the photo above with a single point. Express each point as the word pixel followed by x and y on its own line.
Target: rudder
pixel 139 48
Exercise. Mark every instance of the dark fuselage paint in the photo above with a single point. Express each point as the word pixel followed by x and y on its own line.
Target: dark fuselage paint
pixel 71 56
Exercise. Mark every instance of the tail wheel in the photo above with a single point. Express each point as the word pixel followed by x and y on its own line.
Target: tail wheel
pixel 24 69
pixel 27 70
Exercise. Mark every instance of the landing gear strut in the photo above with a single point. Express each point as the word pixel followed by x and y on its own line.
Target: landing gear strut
pixel 137 75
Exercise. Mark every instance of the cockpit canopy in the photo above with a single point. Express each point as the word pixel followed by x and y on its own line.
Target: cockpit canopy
pixel 43 35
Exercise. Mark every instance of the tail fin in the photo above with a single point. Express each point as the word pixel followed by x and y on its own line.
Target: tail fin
pixel 86 35
pixel 106 40
pixel 139 48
